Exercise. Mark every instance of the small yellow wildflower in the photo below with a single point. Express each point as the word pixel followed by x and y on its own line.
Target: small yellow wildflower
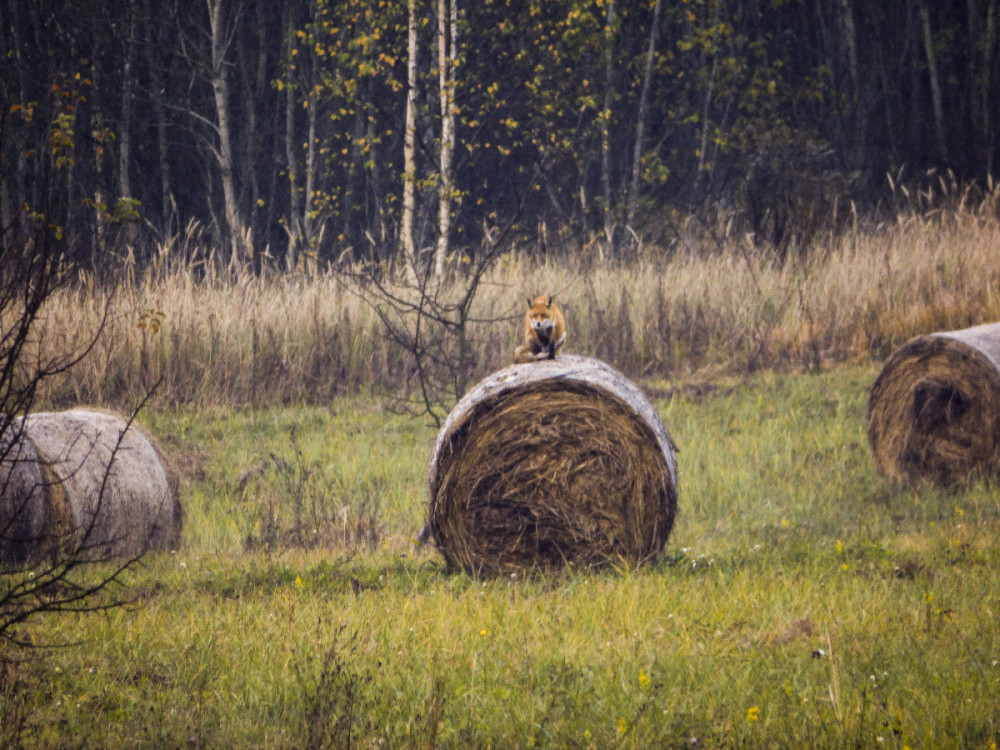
pixel 753 713
pixel 959 512
pixel 844 567
pixel 622 726
pixel 840 547
pixel 784 523
pixel 298 582
pixel 482 632
pixel 643 678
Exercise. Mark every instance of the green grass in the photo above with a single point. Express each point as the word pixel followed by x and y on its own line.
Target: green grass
pixel 801 601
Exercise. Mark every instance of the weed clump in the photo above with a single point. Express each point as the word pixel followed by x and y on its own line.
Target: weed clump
pixel 297 502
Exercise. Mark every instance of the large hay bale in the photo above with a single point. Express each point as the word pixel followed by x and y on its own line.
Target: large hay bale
pixel 551 462
pixel 934 410
pixel 87 481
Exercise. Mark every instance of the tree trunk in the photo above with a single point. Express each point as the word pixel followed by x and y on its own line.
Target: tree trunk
pixel 220 88
pixel 982 36
pixel 446 76
pixel 409 147
pixel 850 39
pixel 640 123
pixel 128 90
pixel 307 207
pixel 609 227
pixel 932 72
pixel 291 149
pixel 706 111
pixel 158 95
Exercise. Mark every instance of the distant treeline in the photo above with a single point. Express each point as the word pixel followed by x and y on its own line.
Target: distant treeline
pixel 284 127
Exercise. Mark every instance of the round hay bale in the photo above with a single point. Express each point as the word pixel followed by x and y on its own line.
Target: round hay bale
pixel 547 463
pixel 22 497
pixel 100 485
pixel 934 410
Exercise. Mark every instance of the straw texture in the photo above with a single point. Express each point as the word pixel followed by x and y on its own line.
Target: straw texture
pixel 555 462
pixel 88 482
pixel 934 410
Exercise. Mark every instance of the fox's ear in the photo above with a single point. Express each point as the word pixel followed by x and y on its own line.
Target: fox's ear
pixel 529 301
pixel 551 300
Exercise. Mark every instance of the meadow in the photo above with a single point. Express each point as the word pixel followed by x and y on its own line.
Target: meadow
pixel 801 601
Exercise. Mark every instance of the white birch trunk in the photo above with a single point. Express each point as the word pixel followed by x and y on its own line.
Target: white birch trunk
pixel 125 136
pixel 307 206
pixel 609 228
pixel 291 157
pixel 640 125
pixel 220 88
pixel 446 70
pixel 409 148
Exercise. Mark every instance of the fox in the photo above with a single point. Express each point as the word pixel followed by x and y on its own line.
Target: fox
pixel 544 331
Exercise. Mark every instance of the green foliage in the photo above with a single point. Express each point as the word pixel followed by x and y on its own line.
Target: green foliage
pixel 772 113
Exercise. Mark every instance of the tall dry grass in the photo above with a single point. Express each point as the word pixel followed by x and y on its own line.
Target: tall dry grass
pixel 210 335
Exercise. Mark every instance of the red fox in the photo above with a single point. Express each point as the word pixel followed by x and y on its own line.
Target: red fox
pixel 544 331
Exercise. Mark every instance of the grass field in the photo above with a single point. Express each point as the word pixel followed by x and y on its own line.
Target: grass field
pixel 800 602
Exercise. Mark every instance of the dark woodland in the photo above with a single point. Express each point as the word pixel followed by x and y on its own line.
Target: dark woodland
pixel 279 129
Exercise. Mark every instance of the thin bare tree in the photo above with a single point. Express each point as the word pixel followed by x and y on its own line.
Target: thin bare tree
pixel 640 120
pixel 221 37
pixel 447 58
pixel 409 145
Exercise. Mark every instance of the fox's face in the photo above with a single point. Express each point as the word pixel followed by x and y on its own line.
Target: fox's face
pixel 541 316
pixel 544 331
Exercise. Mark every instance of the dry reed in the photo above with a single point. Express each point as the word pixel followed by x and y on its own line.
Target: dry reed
pixel 543 464
pixel 732 306
pixel 934 411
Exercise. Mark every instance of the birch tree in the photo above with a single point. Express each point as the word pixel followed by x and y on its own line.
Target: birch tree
pixel 605 120
pixel 409 144
pixel 221 36
pixel 447 57
pixel 640 120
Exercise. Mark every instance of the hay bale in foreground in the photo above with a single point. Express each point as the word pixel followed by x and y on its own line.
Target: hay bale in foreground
pixel 551 462
pixel 88 482
pixel 934 410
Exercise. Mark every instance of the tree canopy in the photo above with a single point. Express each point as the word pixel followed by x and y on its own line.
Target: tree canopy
pixel 279 127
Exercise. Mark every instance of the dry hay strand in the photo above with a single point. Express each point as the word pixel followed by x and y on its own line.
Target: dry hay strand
pixel 89 484
pixel 934 410
pixel 549 463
